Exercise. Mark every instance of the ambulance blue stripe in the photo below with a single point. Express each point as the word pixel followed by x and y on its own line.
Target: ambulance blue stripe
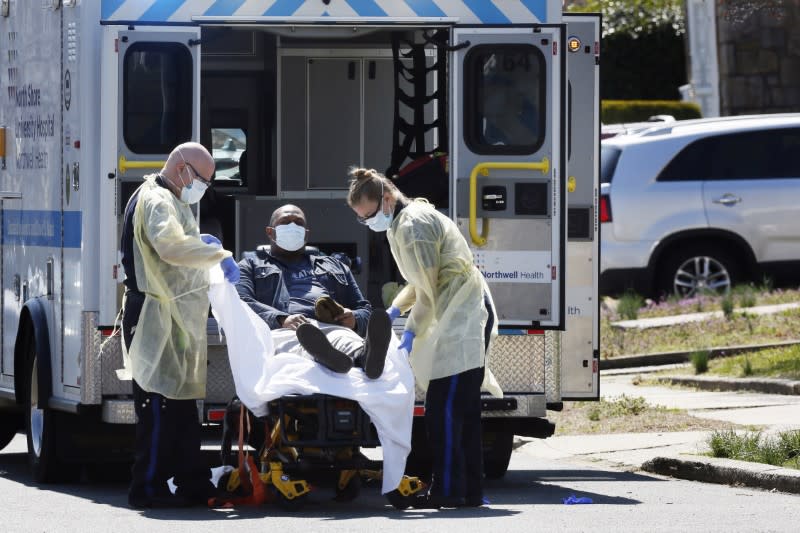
pixel 283 8
pixel 537 7
pixel 109 7
pixel 162 10
pixel 425 8
pixel 223 7
pixel 367 8
pixel 41 228
pixel 486 12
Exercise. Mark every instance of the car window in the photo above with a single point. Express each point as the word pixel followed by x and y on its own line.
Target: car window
pixel 747 155
pixel 691 163
pixel 756 155
pixel 609 156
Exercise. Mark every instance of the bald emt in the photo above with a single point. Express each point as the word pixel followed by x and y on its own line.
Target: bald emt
pixel 165 310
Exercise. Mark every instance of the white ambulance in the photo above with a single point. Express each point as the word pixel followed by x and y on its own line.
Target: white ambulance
pixel 288 94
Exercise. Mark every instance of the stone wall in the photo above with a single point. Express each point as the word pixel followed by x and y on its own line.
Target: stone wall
pixel 759 56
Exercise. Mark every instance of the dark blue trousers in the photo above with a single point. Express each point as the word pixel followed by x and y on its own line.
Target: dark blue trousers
pixel 453 424
pixel 167 437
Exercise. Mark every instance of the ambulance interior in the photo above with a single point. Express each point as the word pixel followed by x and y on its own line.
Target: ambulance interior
pixel 286 110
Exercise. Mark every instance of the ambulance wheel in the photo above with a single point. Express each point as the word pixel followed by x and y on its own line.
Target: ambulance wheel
pixel 398 501
pixel 350 492
pixel 497 448
pixel 40 427
pixel 10 423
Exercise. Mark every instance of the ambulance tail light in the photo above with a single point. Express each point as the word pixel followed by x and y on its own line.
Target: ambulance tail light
pixel 605 208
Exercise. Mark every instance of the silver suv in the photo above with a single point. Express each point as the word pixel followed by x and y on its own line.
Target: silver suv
pixel 700 205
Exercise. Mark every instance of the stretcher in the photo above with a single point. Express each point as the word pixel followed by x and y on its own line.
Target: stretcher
pixel 312 421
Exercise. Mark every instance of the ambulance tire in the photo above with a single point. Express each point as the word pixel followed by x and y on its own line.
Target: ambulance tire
pixel 497 448
pixel 40 428
pixel 10 424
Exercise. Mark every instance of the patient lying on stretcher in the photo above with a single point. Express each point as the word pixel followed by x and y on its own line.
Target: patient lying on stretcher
pixel 339 348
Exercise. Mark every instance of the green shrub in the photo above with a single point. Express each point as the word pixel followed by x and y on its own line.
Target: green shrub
pixel 778 450
pixel 700 361
pixel 732 445
pixel 789 441
pixel 621 111
pixel 727 306
pixel 747 367
pixel 629 305
pixel 746 295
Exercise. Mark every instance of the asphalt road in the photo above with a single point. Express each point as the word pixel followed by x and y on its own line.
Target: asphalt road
pixel 528 499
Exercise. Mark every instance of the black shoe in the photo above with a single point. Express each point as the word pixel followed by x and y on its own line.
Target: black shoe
pixel 379 332
pixel 430 501
pixel 316 343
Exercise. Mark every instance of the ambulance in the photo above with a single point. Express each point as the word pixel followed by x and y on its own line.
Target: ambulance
pixel 489 108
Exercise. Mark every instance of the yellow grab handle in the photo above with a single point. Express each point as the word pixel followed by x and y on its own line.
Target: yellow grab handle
pixel 124 164
pixel 480 240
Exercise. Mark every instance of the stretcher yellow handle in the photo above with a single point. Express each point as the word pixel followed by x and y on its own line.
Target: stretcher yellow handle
pixel 124 164
pixel 480 240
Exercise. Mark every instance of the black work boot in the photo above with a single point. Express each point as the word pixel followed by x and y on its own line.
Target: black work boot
pixel 379 332
pixel 316 343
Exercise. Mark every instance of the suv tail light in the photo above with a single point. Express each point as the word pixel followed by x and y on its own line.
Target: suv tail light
pixel 605 208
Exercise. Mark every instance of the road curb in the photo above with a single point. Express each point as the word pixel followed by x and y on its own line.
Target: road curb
pixel 670 358
pixel 766 385
pixel 727 472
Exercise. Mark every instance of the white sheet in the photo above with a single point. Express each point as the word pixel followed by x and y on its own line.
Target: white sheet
pixel 260 375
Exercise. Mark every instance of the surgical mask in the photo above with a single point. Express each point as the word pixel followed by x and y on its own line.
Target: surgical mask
pixel 290 237
pixel 191 194
pixel 381 221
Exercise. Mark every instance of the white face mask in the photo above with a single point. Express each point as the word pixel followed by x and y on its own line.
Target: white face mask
pixel 380 222
pixel 290 237
pixel 192 193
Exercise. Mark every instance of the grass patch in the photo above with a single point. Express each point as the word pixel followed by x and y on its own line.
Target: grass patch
pixel 771 363
pixel 699 361
pixel 626 414
pixel 629 305
pixel 741 330
pixel 778 450
pixel 743 296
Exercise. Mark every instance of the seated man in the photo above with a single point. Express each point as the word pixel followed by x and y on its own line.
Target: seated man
pixel 286 287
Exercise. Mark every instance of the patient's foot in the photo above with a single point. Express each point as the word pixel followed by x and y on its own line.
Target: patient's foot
pixel 379 331
pixel 316 343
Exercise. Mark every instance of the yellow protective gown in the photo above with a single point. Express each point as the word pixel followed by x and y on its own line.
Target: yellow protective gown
pixel 168 351
pixel 445 294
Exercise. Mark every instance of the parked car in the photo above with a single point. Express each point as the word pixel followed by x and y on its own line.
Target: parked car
pixel 700 205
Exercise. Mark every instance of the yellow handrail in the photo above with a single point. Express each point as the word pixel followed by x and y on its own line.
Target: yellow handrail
pixel 124 164
pixel 480 240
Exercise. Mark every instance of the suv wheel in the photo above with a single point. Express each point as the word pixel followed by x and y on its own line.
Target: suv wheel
pixel 699 269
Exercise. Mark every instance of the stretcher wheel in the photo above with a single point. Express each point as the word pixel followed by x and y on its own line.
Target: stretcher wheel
pixel 398 501
pixel 350 491
pixel 294 504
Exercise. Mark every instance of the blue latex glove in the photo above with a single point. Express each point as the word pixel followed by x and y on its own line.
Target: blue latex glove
pixel 407 341
pixel 393 313
pixel 210 239
pixel 230 269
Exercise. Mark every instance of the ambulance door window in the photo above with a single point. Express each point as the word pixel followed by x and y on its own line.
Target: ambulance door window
pixel 504 99
pixel 157 97
pixel 228 146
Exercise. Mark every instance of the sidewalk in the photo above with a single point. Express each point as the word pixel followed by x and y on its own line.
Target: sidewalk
pixel 678 454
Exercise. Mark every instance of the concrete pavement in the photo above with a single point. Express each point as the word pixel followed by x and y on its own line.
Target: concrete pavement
pixel 678 454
